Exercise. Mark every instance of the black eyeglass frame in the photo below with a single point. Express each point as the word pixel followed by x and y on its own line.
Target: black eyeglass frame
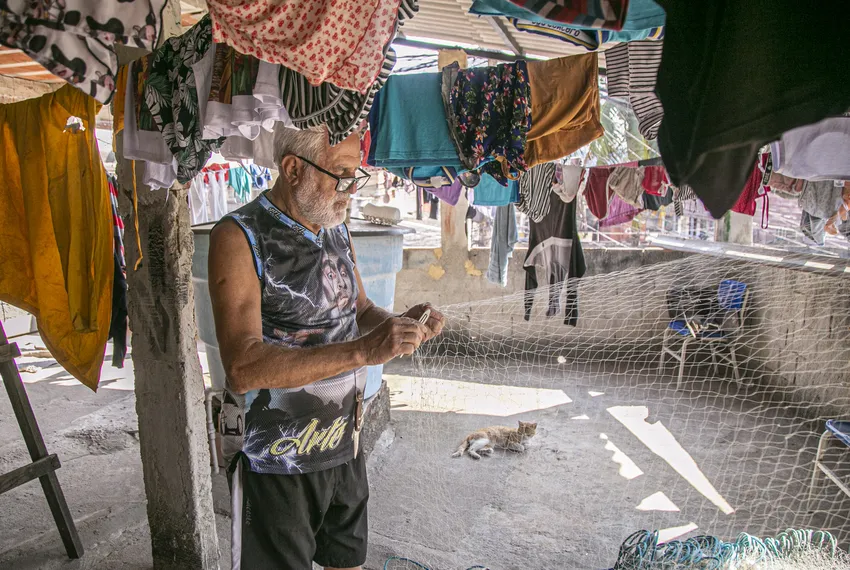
pixel 343 183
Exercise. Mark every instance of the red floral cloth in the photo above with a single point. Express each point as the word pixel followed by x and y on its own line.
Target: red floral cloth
pixel 335 41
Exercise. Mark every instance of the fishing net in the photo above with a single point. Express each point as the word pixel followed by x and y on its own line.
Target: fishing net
pixel 627 437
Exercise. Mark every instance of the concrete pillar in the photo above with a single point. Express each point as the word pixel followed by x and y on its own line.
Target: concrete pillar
pixel 734 228
pixel 169 384
pixel 454 240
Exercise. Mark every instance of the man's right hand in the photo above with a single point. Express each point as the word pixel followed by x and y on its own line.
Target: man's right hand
pixel 394 337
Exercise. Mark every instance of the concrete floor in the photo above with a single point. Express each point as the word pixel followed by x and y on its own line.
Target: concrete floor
pixel 595 472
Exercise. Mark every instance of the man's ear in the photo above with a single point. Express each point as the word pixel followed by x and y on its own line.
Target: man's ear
pixel 290 169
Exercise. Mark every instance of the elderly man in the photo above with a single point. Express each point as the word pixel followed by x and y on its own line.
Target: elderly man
pixel 296 331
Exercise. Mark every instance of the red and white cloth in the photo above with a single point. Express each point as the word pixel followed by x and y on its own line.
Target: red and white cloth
pixel 335 41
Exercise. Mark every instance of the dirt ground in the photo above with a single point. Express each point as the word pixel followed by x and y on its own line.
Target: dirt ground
pixel 594 473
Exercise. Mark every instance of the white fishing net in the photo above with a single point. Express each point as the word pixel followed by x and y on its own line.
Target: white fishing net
pixel 623 442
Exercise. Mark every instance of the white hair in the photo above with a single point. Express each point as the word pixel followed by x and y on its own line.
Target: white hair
pixel 311 143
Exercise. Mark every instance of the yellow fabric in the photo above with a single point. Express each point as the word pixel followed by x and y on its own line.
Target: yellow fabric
pixel 118 100
pixel 564 107
pixel 56 227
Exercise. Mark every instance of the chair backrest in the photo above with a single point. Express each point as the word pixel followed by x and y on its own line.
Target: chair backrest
pixel 732 295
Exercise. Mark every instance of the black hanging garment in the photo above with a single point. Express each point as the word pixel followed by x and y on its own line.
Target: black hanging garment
pixel 735 75
pixel 118 325
pixel 554 255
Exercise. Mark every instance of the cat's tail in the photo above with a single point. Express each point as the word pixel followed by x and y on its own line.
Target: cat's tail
pixel 462 449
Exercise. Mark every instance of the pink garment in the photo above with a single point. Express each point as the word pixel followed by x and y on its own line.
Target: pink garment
pixel 619 212
pixel 335 41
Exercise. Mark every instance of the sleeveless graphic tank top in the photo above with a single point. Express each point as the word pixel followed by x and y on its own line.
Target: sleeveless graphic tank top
pixel 309 295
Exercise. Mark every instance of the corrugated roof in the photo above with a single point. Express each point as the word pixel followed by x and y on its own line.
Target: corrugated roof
pixel 15 63
pixel 450 21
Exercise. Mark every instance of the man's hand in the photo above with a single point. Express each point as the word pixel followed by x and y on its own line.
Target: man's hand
pixel 435 322
pixel 394 337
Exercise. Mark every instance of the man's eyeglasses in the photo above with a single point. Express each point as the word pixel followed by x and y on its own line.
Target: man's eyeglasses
pixel 343 183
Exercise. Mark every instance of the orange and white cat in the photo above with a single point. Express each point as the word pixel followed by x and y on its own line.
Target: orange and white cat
pixel 485 440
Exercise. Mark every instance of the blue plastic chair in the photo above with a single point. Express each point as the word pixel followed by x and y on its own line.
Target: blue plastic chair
pixel 732 297
pixel 839 429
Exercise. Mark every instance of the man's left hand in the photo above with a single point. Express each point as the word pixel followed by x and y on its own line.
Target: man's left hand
pixel 435 322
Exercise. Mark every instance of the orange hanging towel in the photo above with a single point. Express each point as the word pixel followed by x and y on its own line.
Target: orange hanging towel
pixel 56 228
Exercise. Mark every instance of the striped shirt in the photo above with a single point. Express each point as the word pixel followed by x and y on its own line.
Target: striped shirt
pixel 632 70
pixel 342 110
pixel 535 188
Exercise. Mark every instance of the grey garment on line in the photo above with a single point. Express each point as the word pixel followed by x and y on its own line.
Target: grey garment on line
pixel 821 198
pixel 627 183
pixel 502 244
pixel 813 227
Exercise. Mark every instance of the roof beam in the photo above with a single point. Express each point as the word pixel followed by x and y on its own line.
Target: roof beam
pixel 507 37
pixel 497 55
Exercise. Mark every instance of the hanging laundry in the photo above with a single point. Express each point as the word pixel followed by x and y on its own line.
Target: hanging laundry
pixel 119 317
pixel 426 176
pixel 597 194
pixel 654 203
pixel 240 180
pixel 640 15
pixel 408 124
pixel 728 89
pixel 489 114
pixel 554 255
pixel 260 150
pixel 567 182
pixel 753 189
pixel 449 194
pixel 217 181
pixel 681 194
pixel 118 322
pixel 619 212
pixel 146 144
pixel 333 41
pixel 170 101
pixel 785 186
pixel 230 108
pixel 815 152
pixel 342 110
pixel 199 207
pixel 813 227
pixel 56 261
pixel 158 175
pixel 609 14
pixel 627 183
pixel 75 39
pixel 822 198
pixel 632 70
pixel 655 180
pixel 489 192
pixel 117 223
pixel 118 100
pixel 535 188
pixel 260 177
pixel 590 40
pixel 564 107
pixel 502 244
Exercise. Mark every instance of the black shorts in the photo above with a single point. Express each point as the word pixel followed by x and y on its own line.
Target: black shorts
pixel 287 522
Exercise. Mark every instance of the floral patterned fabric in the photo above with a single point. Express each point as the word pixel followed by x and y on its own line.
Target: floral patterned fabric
pixel 489 114
pixel 167 98
pixel 335 41
pixel 74 39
